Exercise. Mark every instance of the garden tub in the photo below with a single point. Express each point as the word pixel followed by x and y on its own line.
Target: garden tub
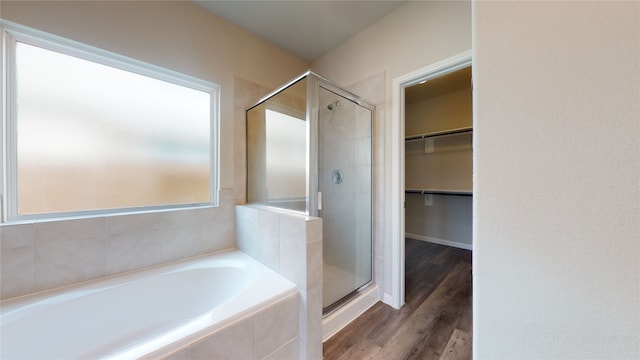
pixel 143 314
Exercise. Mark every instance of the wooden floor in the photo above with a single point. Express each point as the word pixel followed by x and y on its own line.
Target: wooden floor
pixel 435 322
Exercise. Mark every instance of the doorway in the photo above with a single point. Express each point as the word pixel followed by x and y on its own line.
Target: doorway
pixel 438 211
pixel 396 136
pixel 439 160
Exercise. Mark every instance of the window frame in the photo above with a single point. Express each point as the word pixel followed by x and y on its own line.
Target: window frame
pixel 13 33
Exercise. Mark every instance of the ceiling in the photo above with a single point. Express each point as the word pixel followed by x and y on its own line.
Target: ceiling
pixel 306 28
pixel 457 80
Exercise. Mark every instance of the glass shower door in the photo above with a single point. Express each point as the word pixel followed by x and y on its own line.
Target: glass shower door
pixel 344 181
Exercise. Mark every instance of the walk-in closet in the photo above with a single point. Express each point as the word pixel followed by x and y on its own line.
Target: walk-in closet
pixel 438 160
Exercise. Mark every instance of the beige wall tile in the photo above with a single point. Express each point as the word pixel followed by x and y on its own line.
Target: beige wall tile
pixel 183 217
pixel 293 262
pixel 314 265
pixel 287 352
pixel 269 220
pixel 123 224
pixel 70 229
pixel 311 324
pixel 17 271
pixel 293 226
pixel 236 342
pixel 180 241
pixel 180 355
pixel 283 317
pixel 14 236
pixel 64 261
pixel 299 260
pixel 252 215
pixel 218 235
pixel 268 249
pixel 130 251
pixel 314 229
pixel 250 241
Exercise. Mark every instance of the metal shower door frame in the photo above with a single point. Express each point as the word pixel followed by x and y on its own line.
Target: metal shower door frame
pixel 314 83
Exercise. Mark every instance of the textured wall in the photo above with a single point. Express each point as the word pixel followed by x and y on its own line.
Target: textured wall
pixel 557 180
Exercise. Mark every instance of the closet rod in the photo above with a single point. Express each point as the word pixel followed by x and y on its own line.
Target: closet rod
pixel 439 192
pixel 439 133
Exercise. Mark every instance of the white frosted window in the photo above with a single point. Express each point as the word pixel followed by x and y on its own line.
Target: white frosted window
pixel 92 137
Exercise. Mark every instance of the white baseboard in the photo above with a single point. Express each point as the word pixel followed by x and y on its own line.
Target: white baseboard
pixel 389 300
pixel 439 241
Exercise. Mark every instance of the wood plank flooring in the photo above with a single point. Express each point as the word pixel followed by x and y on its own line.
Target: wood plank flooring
pixel 434 323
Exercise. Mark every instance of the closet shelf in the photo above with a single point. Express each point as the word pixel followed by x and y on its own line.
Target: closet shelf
pixel 439 192
pixel 439 133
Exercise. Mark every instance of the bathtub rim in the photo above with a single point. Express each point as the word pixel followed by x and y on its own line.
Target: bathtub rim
pixel 43 298
pixel 10 303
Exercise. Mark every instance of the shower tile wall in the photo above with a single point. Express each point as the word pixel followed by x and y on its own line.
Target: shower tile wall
pixel 345 138
pixel 372 89
pixel 44 255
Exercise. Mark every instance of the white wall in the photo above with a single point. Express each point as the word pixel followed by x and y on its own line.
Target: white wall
pixel 557 180
pixel 177 35
pixel 415 35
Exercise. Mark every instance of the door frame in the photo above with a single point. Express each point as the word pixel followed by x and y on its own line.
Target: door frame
pixel 395 213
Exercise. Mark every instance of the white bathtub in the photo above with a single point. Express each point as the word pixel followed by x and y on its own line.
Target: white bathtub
pixel 150 313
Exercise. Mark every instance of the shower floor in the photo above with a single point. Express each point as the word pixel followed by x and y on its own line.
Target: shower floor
pixel 342 283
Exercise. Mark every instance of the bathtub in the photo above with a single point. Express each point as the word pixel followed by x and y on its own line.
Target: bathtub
pixel 142 314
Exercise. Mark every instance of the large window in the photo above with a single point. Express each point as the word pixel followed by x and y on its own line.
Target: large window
pixel 87 131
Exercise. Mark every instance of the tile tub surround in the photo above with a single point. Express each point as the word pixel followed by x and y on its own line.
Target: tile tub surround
pixel 291 244
pixel 44 255
pixel 253 337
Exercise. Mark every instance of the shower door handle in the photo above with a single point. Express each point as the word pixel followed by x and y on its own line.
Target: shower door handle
pixel 319 200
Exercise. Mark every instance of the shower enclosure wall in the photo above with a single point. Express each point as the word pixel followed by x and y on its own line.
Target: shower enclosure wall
pixel 309 150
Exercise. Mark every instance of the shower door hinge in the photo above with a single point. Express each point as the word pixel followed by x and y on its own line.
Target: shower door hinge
pixel 319 200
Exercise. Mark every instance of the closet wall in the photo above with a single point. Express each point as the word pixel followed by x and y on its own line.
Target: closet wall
pixel 438 160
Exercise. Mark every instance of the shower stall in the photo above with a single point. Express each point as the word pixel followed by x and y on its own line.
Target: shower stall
pixel 309 150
